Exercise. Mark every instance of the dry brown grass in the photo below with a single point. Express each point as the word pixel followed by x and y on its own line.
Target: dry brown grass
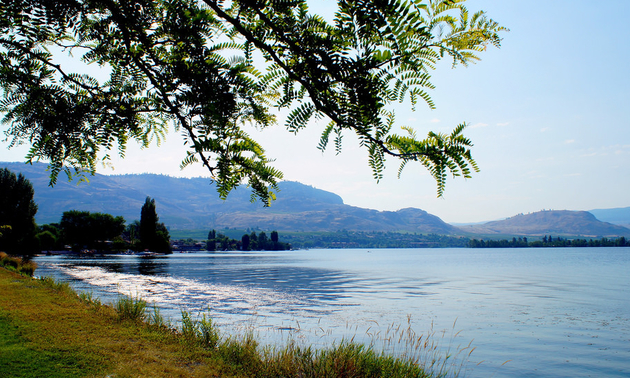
pixel 59 323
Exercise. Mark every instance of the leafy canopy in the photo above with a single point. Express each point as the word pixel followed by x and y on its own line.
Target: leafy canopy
pixel 208 67
pixel 83 229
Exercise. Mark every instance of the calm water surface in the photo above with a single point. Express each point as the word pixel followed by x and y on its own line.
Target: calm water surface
pixel 558 312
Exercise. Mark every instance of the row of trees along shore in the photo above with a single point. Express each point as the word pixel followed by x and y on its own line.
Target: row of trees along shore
pixel 77 230
pixel 549 241
pixel 83 230
pixel 93 231
pixel 249 242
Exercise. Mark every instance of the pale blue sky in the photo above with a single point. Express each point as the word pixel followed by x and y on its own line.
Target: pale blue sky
pixel 547 114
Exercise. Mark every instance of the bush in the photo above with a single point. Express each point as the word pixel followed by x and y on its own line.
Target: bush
pixel 28 268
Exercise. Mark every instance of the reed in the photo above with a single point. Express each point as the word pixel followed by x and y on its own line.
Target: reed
pixel 155 319
pixel 202 332
pixel 131 308
pixel 397 352
pixel 89 298
pixel 426 350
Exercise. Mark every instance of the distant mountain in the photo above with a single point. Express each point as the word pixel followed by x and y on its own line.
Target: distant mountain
pixel 563 222
pixel 619 216
pixel 193 203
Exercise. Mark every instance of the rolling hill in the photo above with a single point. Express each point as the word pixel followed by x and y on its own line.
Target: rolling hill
pixel 193 203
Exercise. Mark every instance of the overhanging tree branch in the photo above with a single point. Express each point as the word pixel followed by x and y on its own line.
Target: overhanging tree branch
pixel 167 66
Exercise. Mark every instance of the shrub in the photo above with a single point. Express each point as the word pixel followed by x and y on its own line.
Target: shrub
pixel 16 264
pixel 27 268
pixel 11 262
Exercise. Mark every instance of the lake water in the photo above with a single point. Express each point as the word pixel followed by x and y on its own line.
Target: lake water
pixel 561 312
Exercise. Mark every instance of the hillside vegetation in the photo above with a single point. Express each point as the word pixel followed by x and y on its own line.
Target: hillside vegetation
pixel 188 205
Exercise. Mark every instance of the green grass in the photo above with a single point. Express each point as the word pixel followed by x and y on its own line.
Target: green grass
pixel 46 330
pixel 21 358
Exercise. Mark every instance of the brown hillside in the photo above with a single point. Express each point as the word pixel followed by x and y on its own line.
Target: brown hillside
pixel 556 222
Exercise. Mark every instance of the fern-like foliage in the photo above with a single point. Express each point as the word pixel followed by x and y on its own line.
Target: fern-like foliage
pixel 440 153
pixel 193 66
pixel 172 64
pixel 372 55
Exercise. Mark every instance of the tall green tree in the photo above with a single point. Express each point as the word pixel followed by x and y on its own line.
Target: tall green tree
pixel 245 242
pixel 253 241
pixel 263 241
pixel 132 233
pixel 211 243
pixel 190 65
pixel 17 214
pixel 154 235
pixel 148 223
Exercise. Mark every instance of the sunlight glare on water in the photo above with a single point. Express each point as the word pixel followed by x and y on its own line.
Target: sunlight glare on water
pixel 547 312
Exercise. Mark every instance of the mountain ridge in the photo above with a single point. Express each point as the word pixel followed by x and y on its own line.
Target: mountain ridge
pixel 193 204
pixel 557 222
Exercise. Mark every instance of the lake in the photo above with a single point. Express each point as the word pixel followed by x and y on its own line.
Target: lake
pixel 558 312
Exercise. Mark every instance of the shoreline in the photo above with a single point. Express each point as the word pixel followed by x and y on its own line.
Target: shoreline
pixel 50 331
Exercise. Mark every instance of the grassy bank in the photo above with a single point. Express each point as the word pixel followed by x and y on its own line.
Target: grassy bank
pixel 46 330
pixel 17 264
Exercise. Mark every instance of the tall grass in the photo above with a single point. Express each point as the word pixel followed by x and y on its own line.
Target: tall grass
pixel 396 352
pixel 62 287
pixel 156 319
pixel 131 308
pixel 202 331
pixel 89 298
pixel 425 350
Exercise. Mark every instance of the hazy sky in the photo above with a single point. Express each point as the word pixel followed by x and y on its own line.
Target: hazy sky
pixel 548 114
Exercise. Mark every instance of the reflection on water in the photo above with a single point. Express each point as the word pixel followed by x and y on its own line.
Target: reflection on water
pixel 550 312
pixel 146 265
